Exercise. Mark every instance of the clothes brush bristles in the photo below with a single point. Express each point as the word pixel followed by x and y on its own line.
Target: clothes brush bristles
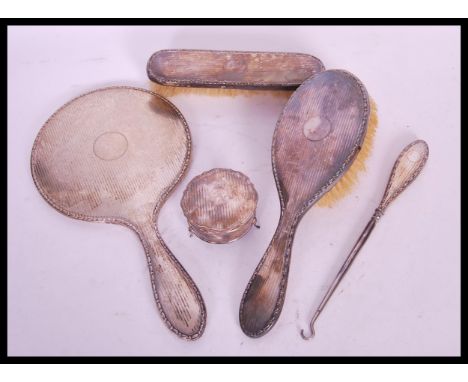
pixel 347 182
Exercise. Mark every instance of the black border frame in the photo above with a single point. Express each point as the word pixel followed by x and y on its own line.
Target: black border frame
pixel 4 358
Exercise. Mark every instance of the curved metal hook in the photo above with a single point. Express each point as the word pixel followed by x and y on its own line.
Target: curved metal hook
pixel 311 326
pixel 312 332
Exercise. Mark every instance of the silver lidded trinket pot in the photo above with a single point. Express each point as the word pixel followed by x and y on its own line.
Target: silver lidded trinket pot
pixel 220 205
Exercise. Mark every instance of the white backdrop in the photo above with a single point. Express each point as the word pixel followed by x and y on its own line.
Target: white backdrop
pixel 76 288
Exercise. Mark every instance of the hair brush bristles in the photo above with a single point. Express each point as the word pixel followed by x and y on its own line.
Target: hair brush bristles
pixel 345 185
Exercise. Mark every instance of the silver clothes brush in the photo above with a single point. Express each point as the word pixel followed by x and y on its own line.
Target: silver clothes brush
pixel 407 167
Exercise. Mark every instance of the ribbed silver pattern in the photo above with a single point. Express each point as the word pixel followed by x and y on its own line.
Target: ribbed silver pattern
pixel 316 139
pixel 113 155
pixel 220 205
pixel 232 69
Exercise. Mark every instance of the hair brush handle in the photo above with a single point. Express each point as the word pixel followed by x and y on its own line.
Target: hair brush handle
pixel 264 295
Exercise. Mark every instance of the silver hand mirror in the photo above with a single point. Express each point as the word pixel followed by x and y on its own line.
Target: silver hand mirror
pixel 113 156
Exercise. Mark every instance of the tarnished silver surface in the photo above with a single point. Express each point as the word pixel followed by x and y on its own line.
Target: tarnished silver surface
pixel 318 135
pixel 407 167
pixel 114 155
pixel 232 69
pixel 220 205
